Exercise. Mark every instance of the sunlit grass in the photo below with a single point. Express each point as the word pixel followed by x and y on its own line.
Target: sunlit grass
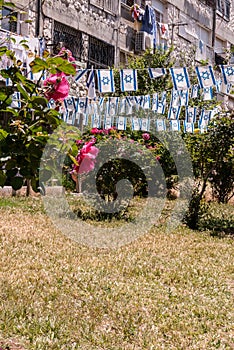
pixel 164 291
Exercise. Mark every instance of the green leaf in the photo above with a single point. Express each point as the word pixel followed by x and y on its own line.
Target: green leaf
pixel 67 68
pixel 17 182
pixel 23 92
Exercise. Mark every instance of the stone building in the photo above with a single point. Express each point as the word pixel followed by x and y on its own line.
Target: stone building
pixel 102 33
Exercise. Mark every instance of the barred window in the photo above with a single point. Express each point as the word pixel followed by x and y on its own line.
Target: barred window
pixel 69 38
pixel 101 54
pixel 108 5
pixel 223 8
pixel 9 21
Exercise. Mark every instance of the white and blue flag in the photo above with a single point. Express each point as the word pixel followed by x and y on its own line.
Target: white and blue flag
pixel 105 80
pixel 194 91
pixel 154 103
pixel 112 106
pixel 81 104
pixel 175 98
pixel 160 125
pixel 175 125
pixel 180 78
pixel 188 127
pixel 156 72
pixel 145 124
pixel 228 73
pixel 207 93
pixel 190 114
pixel 121 123
pixel 174 112
pixel 96 121
pixel 79 74
pixel 128 79
pixel 184 97
pixel 91 85
pixel 135 124
pixel 205 76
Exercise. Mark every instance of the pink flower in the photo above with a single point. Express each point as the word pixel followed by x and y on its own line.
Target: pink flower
pixel 86 158
pixel 94 131
pixel 146 136
pixel 158 158
pixel 67 55
pixel 57 87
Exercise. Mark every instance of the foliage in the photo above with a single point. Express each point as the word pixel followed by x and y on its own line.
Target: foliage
pixel 24 131
pixel 213 162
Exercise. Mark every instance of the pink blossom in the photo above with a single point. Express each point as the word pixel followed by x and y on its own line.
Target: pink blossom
pixel 146 136
pixel 158 157
pixel 57 87
pixel 94 131
pixel 86 158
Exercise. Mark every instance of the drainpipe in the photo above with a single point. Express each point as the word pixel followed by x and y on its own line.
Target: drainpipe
pixel 38 18
pixel 214 24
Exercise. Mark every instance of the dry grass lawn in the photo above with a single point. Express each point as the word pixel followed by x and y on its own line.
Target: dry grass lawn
pixel 164 291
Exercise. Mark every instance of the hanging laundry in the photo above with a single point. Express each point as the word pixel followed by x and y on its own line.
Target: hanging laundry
pixel 149 24
pixel 164 30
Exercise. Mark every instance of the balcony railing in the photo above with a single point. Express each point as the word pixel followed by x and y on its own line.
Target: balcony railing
pixel 106 5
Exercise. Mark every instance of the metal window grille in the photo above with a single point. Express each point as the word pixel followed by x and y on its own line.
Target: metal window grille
pixel 132 2
pixel 109 5
pixel 101 54
pixel 223 7
pixel 69 38
pixel 7 23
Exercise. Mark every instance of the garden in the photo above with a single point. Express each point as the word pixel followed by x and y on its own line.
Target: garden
pixel 166 280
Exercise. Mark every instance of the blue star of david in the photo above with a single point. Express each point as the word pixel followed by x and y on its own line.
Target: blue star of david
pixel 105 80
pixel 174 110
pixel 230 71
pixel 179 77
pixel 190 114
pixel 81 104
pixel 128 78
pixel 69 102
pixel 206 90
pixel 159 104
pixel 205 75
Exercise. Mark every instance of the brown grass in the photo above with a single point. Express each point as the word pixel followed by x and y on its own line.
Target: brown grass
pixel 164 291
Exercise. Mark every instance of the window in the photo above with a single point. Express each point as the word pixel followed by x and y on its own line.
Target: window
pixel 108 5
pixel 101 54
pixel 223 8
pixel 69 38
pixel 132 2
pixel 9 22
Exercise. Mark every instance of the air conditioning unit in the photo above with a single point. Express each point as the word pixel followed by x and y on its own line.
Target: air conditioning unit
pixel 143 41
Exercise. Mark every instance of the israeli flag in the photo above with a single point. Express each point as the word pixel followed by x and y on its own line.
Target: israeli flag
pixel 145 124
pixel 128 79
pixel 105 80
pixel 112 106
pixel 161 106
pixel 100 104
pixel 207 94
pixel 79 74
pixel 228 73
pixel 96 121
pixel 16 103
pixel 184 97
pixel 203 128
pixel 108 122
pixel 122 105
pixel 190 114
pixel 189 127
pixel 121 123
pixel 218 85
pixel 69 104
pixel 70 117
pixel 205 117
pixel 180 78
pixel 51 104
pixel 174 112
pixel 175 98
pixel 92 108
pixel 194 91
pixel 146 102
pixel 135 124
pixel 175 125
pixel 128 106
pixel 156 72
pixel 229 87
pixel 205 76
pixel 139 101
pixel 160 125
pixel 154 103
pixel 81 105
pixel 91 85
